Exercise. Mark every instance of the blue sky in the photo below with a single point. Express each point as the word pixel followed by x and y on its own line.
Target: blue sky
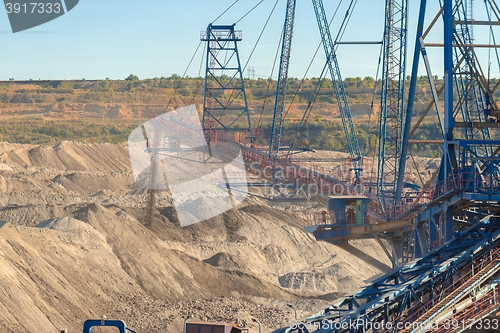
pixel 153 38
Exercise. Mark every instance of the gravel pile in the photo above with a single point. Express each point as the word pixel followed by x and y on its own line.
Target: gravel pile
pixel 93 255
pixel 165 316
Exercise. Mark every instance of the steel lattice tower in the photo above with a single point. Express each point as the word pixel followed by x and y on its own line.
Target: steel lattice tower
pixel 279 104
pixel 225 104
pixel 338 85
pixel 391 103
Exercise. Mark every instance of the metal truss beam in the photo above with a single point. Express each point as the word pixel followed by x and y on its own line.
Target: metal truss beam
pixel 392 104
pixel 338 83
pixel 225 105
pixel 279 104
pixel 410 291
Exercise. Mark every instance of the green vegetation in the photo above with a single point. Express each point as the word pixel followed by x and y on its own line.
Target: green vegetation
pixel 359 90
pixel 329 135
pixel 36 130
pixel 22 104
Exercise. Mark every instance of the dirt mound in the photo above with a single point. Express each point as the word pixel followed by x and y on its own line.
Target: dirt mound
pixel 68 156
pixel 223 260
pixel 109 254
pixel 91 253
pixel 332 279
pixel 86 184
pixel 53 279
pixel 67 224
pixel 162 271
pixel 31 215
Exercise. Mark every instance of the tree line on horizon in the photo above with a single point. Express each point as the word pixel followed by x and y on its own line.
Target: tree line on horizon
pixel 359 90
pixel 318 133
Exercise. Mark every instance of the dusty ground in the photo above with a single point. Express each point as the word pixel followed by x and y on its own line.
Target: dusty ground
pixel 74 246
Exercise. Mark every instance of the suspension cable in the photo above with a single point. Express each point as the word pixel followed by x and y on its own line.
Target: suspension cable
pixel 261 32
pixel 176 87
pixel 224 12
pixel 492 35
pixel 257 42
pixel 200 83
pixel 345 22
pixel 269 81
pixel 308 68
pixel 261 1
pixel 311 102
pixel 255 45
pixel 308 110
pixel 373 100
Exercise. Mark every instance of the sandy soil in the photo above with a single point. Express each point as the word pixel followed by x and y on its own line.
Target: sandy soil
pixel 74 245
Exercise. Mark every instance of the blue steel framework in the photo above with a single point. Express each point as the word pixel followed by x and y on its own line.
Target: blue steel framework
pixel 215 109
pixel 338 83
pixel 469 168
pixel 419 291
pixel 391 103
pixel 392 118
pixel 419 48
pixel 218 38
pixel 468 178
pixel 224 84
pixel 467 190
pixel 279 104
